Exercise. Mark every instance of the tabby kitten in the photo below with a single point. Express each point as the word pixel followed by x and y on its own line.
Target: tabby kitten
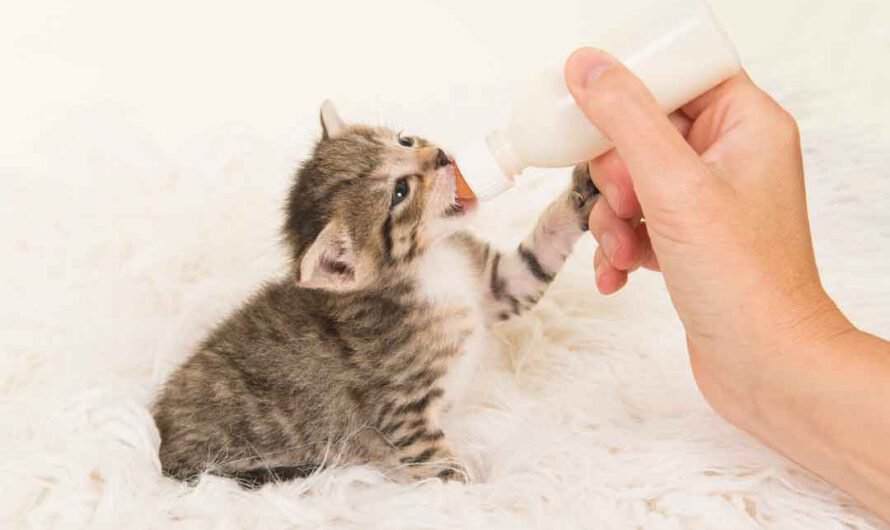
pixel 352 357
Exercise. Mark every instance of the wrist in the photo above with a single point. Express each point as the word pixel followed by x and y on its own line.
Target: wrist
pixel 748 377
pixel 825 408
pixel 793 356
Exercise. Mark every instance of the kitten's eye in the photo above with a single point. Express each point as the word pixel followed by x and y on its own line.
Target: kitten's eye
pixel 405 141
pixel 401 191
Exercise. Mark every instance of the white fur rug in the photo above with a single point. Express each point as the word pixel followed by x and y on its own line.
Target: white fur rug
pixel 144 154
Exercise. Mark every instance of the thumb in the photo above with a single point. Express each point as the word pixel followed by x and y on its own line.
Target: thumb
pixel 662 165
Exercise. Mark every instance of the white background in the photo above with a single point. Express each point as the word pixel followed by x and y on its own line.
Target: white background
pixel 144 151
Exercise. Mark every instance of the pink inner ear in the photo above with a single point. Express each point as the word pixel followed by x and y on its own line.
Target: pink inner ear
pixel 333 262
pixel 338 267
pixel 329 263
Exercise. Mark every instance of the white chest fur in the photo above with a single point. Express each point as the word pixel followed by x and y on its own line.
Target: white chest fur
pixel 446 279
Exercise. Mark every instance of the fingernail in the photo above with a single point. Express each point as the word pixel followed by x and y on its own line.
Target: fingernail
pixel 595 72
pixel 609 243
pixel 587 65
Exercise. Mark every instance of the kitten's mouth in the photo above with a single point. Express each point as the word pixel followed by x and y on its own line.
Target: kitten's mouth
pixel 461 206
pixel 464 200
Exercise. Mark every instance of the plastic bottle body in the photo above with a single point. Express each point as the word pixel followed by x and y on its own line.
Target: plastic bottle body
pixel 676 48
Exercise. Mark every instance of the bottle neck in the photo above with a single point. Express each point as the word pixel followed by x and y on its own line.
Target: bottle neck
pixel 502 150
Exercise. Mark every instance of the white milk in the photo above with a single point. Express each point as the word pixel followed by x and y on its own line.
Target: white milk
pixel 676 48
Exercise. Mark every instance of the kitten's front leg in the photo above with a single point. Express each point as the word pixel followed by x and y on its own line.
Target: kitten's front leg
pixel 516 280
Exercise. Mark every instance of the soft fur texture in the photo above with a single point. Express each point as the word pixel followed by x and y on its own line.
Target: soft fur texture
pixel 145 156
pixel 354 356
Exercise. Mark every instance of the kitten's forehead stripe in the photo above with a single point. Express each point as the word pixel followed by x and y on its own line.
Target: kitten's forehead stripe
pixel 387 237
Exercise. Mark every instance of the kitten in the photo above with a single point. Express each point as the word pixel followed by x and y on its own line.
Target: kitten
pixel 351 358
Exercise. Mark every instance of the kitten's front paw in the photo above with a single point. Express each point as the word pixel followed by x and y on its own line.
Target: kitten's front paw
pixel 583 193
pixel 454 472
pixel 447 470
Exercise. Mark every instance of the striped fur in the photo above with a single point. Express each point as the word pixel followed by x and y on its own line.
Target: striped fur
pixel 356 355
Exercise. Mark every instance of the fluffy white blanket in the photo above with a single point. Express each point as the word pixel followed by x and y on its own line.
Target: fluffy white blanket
pixel 145 151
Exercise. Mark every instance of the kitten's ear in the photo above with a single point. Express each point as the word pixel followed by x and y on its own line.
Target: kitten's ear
pixel 331 261
pixel 332 125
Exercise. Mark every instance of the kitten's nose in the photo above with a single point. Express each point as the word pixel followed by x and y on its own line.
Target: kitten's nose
pixel 442 159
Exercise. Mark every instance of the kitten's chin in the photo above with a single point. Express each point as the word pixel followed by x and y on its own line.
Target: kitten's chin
pixel 467 206
pixel 461 207
pixel 450 223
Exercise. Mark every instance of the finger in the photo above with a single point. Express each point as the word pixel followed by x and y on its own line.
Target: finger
pixel 618 103
pixel 737 86
pixel 615 236
pixel 648 259
pixel 739 104
pixel 608 279
pixel 681 122
pixel 610 175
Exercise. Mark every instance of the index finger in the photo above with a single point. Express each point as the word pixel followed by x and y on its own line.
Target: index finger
pixel 610 175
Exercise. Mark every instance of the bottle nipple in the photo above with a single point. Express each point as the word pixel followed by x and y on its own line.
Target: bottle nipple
pixel 463 189
pixel 481 176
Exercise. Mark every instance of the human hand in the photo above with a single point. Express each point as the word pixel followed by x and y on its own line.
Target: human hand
pixel 713 197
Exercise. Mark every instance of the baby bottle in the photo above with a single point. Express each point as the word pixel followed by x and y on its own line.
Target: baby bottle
pixel 677 48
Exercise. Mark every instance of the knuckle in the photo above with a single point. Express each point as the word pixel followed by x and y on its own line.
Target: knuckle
pixel 788 126
pixel 781 122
